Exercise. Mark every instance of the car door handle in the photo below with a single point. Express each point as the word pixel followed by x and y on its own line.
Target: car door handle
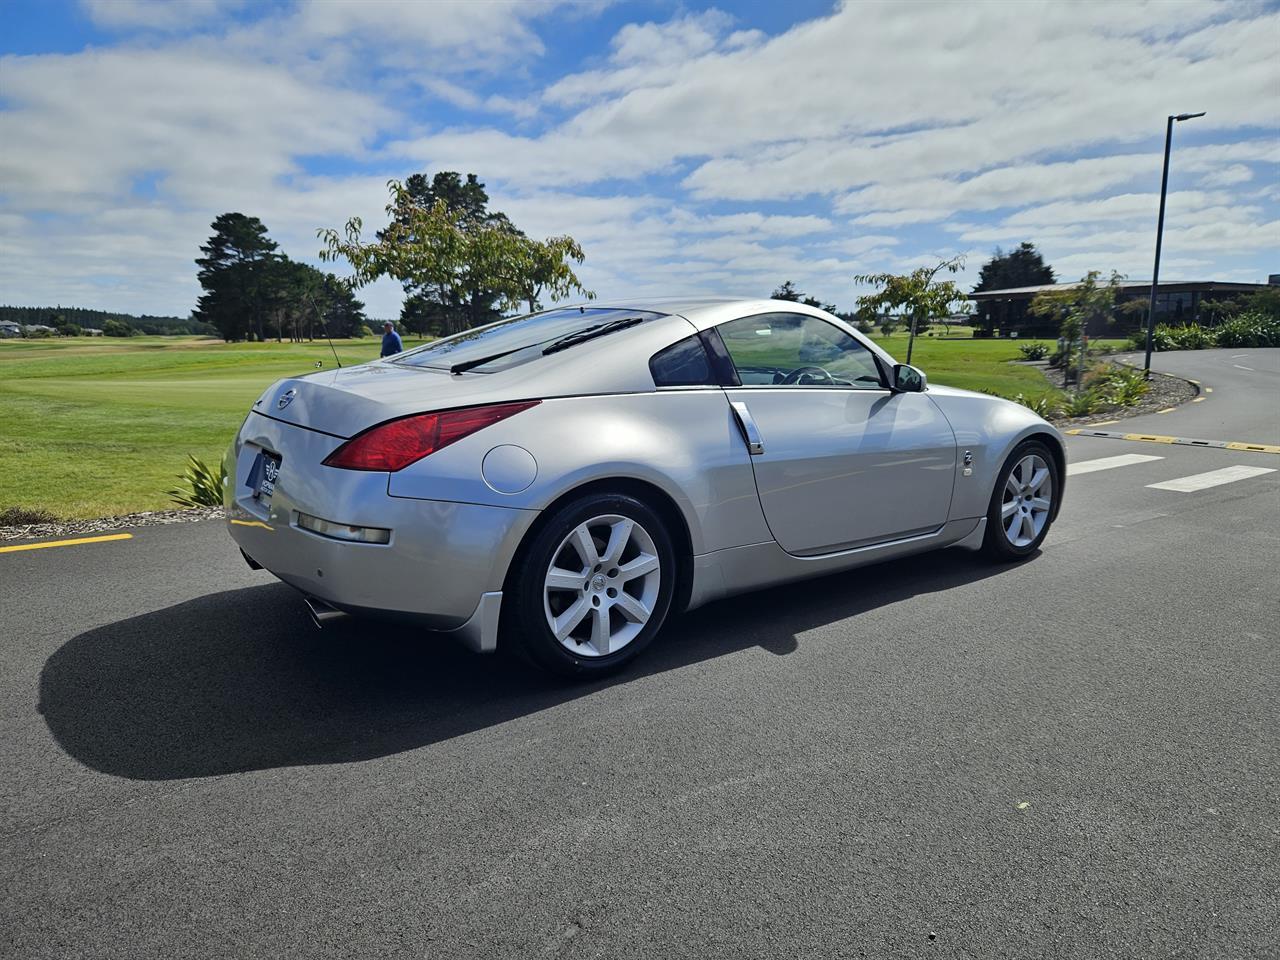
pixel 750 432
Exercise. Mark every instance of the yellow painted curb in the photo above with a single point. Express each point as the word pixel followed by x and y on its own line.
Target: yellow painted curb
pixel 1255 447
pixel 66 543
pixel 1180 441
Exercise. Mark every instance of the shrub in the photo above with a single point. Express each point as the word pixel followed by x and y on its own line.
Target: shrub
pixel 205 484
pixel 1125 386
pixel 1122 386
pixel 1190 337
pixel 1083 403
pixel 1098 375
pixel 1194 337
pixel 1250 330
pixel 1045 405
pixel 24 516
pixel 1033 351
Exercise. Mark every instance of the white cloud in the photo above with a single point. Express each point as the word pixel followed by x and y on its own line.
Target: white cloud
pixel 1227 176
pixel 88 125
pixel 688 155
pixel 159 15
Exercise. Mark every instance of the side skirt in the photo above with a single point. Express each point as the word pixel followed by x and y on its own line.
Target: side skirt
pixel 739 569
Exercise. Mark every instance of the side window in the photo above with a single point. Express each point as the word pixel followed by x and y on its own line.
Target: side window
pixel 789 349
pixel 683 364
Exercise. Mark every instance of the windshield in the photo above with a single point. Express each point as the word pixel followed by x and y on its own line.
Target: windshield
pixel 513 341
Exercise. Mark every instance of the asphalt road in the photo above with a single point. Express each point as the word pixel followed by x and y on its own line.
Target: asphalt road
pixel 1244 395
pixel 1073 757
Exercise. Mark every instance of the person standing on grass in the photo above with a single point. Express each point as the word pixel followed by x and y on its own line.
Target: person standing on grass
pixel 391 344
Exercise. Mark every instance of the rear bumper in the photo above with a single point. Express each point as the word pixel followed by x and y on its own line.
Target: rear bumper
pixel 442 561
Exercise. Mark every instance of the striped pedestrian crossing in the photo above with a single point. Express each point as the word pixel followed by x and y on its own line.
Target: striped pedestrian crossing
pixel 1108 463
pixel 1213 478
pixel 1187 484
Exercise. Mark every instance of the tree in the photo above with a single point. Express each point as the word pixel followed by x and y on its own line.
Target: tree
pixel 301 302
pixel 436 308
pixel 537 266
pixel 789 292
pixel 343 313
pixel 1078 309
pixel 1264 302
pixel 815 302
pixel 919 295
pixel 236 262
pixel 453 266
pixel 1023 267
pixel 116 328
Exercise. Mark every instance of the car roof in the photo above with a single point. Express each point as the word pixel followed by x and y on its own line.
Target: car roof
pixel 707 311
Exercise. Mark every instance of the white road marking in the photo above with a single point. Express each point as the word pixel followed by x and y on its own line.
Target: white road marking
pixel 1238 367
pixel 1214 478
pixel 1108 463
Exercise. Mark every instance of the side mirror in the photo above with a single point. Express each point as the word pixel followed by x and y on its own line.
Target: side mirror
pixel 907 379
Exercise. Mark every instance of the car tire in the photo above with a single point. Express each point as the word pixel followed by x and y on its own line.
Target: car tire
pixel 1023 503
pixel 593 587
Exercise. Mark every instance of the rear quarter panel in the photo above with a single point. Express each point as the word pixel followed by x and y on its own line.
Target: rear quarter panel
pixel 683 441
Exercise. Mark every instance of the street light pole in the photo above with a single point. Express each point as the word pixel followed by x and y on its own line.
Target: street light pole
pixel 1155 271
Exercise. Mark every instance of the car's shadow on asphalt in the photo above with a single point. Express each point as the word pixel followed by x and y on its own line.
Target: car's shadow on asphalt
pixel 241 680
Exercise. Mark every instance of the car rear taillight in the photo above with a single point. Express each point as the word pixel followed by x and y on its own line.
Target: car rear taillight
pixel 393 445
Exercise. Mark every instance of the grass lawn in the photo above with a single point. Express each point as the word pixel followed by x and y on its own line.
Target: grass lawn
pixel 92 427
pixel 975 364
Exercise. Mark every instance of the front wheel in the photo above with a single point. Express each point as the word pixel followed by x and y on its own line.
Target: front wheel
pixel 1022 503
pixel 594 586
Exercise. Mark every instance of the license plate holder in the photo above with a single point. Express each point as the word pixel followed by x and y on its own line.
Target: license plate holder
pixel 264 475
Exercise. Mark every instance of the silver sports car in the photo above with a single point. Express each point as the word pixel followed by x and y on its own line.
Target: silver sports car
pixel 566 480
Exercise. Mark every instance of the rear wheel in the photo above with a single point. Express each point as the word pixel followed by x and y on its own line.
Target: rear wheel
pixel 595 585
pixel 1022 503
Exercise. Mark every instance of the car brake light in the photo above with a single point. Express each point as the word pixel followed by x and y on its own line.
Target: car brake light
pixel 393 445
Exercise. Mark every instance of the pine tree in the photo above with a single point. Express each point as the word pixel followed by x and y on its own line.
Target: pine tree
pixel 235 273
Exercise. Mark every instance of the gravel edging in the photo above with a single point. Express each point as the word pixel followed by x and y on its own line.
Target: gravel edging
pixel 1166 391
pixel 76 528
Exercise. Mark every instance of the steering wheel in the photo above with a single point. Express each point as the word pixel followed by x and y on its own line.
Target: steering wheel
pixel 794 376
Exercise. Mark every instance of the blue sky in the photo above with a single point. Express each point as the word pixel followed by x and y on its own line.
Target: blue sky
pixel 689 148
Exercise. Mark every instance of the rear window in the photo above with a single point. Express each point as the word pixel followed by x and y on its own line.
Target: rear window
pixel 518 339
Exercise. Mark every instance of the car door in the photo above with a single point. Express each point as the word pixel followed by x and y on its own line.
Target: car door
pixel 840 460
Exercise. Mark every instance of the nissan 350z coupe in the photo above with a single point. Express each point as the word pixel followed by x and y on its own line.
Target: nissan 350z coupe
pixel 566 480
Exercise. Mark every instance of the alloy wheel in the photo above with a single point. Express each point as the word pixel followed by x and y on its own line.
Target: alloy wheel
pixel 602 585
pixel 1027 500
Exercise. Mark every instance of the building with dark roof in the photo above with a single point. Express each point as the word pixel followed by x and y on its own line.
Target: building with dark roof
pixel 1006 312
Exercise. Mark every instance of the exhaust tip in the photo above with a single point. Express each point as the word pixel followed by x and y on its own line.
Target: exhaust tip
pixel 322 614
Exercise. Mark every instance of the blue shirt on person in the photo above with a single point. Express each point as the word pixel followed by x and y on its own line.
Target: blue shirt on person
pixel 391 344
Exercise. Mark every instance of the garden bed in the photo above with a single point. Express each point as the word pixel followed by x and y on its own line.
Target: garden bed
pixel 1164 392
